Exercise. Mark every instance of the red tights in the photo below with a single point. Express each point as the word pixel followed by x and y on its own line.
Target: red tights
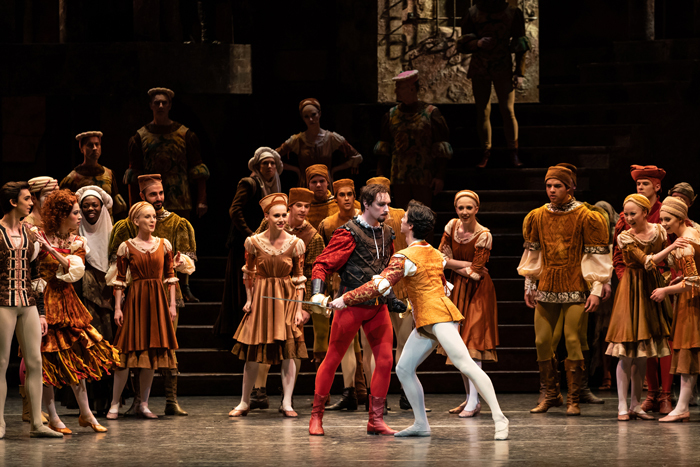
pixel 653 365
pixel 346 322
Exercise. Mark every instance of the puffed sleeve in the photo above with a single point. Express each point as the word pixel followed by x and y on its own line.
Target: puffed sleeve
pixel 481 256
pixel 169 276
pixel 76 260
pixel 197 169
pixel 596 263
pixel 122 231
pixel 249 266
pixel 289 146
pixel 185 241
pixel 339 143
pixel 116 275
pixel 446 243
pixel 684 259
pixel 298 278
pixel 399 266
pixel 618 260
pixel 530 265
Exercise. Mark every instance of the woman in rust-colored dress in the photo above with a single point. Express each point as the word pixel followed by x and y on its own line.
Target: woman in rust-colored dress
pixel 72 350
pixel 271 330
pixel 467 246
pixel 146 337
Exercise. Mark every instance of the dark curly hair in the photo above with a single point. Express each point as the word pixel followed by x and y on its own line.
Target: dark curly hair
pixel 369 193
pixel 57 207
pixel 421 217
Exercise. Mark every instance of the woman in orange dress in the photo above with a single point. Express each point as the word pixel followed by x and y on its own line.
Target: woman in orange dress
pixel 685 330
pixel 271 330
pixel 72 350
pixel 467 246
pixel 145 337
pixel 639 327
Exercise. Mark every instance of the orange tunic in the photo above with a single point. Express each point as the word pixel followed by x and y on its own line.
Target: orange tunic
pixel 72 349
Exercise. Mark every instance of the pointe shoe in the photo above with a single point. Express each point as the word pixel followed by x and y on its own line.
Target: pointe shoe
pixel 458 409
pixel 640 415
pixel 412 432
pixel 471 413
pixel 501 430
pixel 239 413
pixel 65 430
pixel 623 417
pixel 144 412
pixel 96 427
pixel 45 432
pixel 684 417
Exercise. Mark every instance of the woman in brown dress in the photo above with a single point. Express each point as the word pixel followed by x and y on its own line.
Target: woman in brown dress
pixel 316 145
pixel 72 350
pixel 639 327
pixel 685 331
pixel 271 330
pixel 467 246
pixel 146 337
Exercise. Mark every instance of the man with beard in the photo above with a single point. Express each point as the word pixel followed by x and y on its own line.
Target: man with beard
pixel 359 250
pixel 179 232
pixel 493 31
pixel 355 388
pixel 90 172
pixel 413 145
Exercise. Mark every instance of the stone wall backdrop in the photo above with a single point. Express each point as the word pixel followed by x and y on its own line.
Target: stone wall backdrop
pixel 421 35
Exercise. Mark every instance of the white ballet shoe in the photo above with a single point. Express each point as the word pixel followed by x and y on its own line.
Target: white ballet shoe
pixel 501 430
pixel 411 431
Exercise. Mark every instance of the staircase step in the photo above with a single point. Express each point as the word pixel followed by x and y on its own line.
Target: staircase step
pixel 211 267
pixel 675 70
pixel 592 157
pixel 516 179
pixel 643 51
pixel 607 93
pixel 199 313
pixel 207 290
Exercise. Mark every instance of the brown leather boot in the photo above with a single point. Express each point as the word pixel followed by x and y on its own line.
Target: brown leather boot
pixel 665 405
pixel 651 403
pixel 574 373
pixel 552 396
pixel 543 388
pixel 136 386
pixel 587 396
pixel 375 424
pixel 484 159
pixel 360 385
pixel 316 422
pixel 170 386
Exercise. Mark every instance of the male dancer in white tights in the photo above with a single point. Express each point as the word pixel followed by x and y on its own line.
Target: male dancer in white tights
pixel 435 316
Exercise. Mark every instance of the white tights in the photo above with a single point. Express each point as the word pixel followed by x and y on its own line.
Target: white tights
pixel 687 384
pixel 250 374
pixel 402 328
pixel 24 321
pixel 418 348
pixel 145 376
pixel 472 393
pixel 630 370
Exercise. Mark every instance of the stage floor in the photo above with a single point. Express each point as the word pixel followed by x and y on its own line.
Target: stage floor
pixel 208 437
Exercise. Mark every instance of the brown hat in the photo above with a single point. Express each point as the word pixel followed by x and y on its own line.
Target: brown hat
pixel 573 169
pixel 647 172
pixel 147 180
pixel 563 174
pixel 317 169
pixel 309 101
pixel 338 184
pixel 87 134
pixel 380 181
pixel 684 189
pixel 271 200
pixel 675 206
pixel 300 195
pixel 165 91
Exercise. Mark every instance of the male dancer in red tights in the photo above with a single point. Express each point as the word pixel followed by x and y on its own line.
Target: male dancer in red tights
pixel 358 250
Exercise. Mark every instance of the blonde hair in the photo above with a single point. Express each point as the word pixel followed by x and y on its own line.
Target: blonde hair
pixel 137 209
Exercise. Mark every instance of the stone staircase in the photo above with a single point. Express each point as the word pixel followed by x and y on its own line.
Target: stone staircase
pixel 599 110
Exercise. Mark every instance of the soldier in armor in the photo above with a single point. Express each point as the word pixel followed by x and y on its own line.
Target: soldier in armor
pixel 358 250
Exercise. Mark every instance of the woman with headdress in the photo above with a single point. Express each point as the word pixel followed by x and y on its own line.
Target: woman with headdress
pixel 264 179
pixel 271 331
pixel 639 327
pixel 685 330
pixel 72 350
pixel 467 246
pixel 145 338
pixel 317 146
pixel 95 205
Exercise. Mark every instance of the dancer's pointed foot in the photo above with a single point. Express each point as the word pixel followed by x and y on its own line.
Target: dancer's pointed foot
pixel 459 408
pixel 413 430
pixel 501 430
